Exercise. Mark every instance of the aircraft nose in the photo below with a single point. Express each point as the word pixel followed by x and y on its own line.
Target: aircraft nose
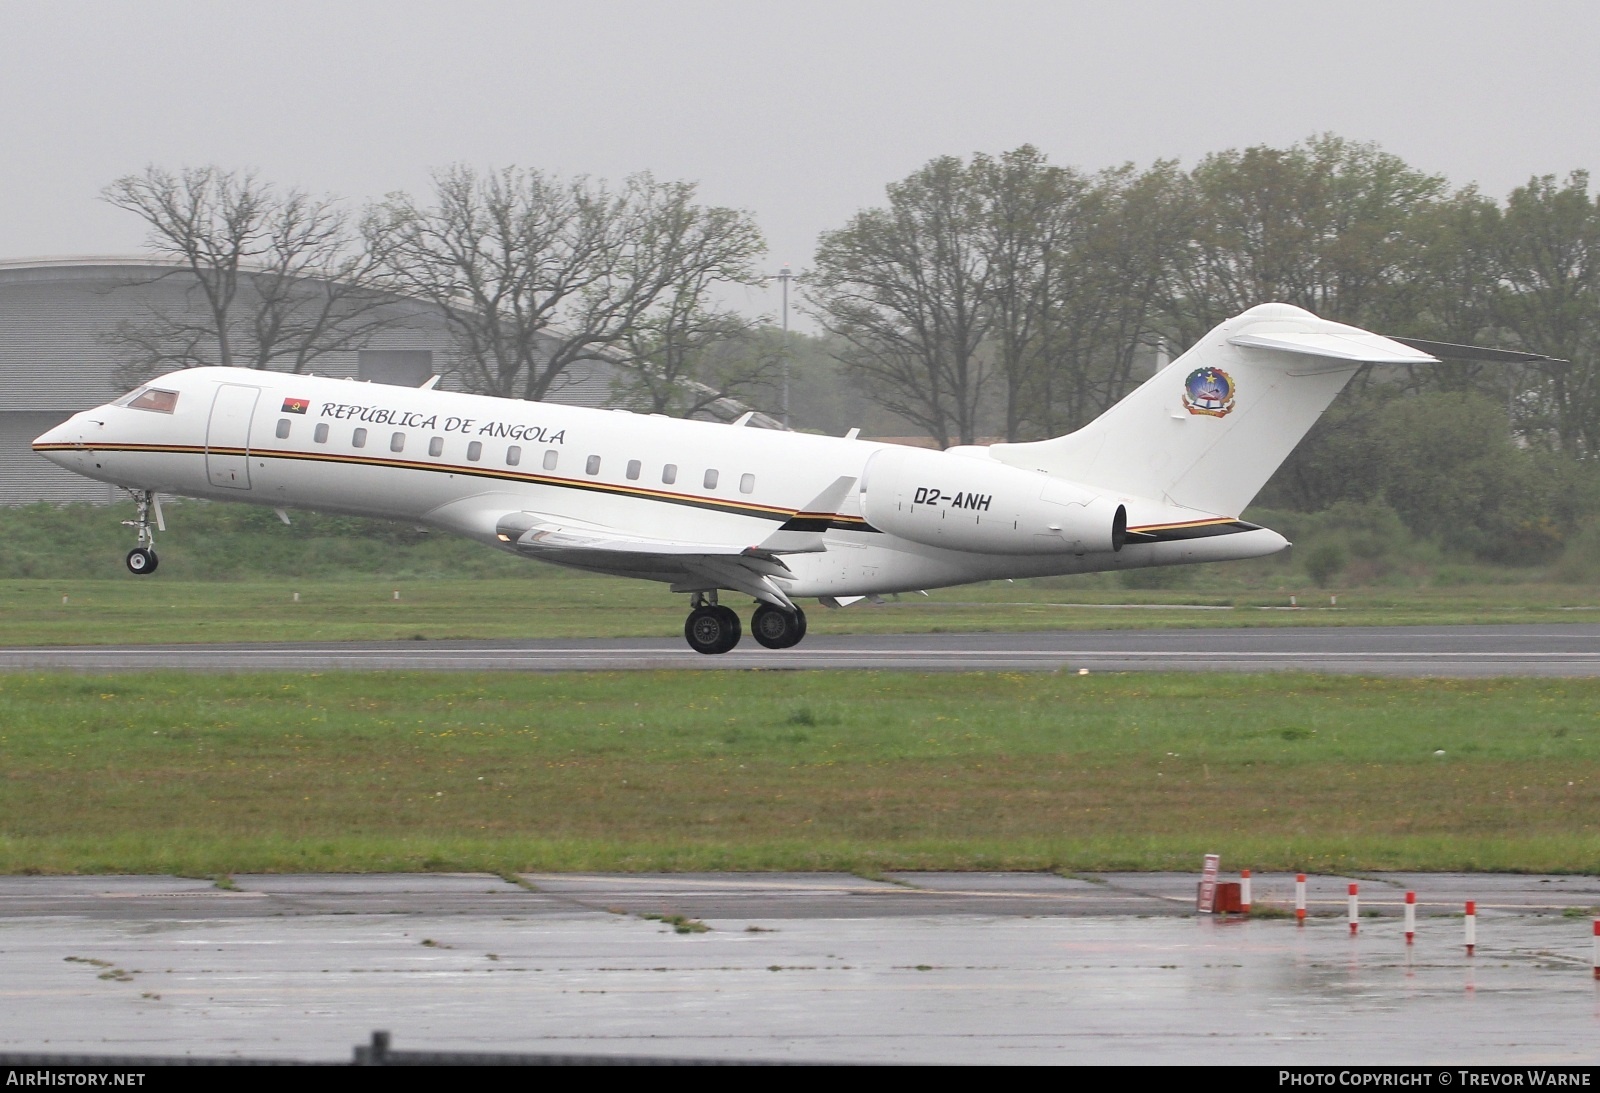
pixel 61 444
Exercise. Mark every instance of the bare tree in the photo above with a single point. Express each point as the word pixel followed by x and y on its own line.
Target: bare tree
pixel 904 288
pixel 279 278
pixel 1006 272
pixel 534 274
pixel 684 360
pixel 684 356
pixel 1102 298
pixel 1032 218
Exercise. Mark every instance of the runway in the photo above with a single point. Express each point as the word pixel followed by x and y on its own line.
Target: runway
pixel 906 967
pixel 1463 651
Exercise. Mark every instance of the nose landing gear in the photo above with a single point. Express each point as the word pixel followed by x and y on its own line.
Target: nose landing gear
pixel 142 559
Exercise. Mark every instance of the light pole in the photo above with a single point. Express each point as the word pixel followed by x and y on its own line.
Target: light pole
pixel 784 277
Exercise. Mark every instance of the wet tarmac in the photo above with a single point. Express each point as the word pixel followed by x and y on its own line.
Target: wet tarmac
pixel 936 968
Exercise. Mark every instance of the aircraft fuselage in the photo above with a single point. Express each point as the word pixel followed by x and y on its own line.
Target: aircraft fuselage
pixel 462 463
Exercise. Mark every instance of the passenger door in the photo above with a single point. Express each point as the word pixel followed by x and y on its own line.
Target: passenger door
pixel 228 436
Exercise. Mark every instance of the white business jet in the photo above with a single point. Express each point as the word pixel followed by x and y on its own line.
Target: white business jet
pixel 707 508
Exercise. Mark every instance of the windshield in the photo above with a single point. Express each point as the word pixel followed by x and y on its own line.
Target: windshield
pixel 150 398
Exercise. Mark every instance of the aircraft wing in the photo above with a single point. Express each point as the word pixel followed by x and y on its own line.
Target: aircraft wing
pixel 753 568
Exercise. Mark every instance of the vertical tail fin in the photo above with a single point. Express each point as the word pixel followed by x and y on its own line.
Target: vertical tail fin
pixel 1208 430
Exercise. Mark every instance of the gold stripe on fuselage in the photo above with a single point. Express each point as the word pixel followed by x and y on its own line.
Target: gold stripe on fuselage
pixel 740 508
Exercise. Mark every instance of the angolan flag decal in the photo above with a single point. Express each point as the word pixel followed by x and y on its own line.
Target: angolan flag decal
pixel 296 405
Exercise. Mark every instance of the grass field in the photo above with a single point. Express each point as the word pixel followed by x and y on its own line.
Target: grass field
pixel 552 603
pixel 209 775
pixel 231 573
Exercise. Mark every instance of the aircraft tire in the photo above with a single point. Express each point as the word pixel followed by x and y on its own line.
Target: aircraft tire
pixel 711 630
pixel 142 561
pixel 776 628
pixel 730 619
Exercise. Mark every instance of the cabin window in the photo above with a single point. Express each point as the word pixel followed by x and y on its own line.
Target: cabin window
pixel 669 473
pixel 436 446
pixel 550 457
pixel 397 442
pixel 633 470
pixel 162 402
pixel 320 435
pixel 513 455
pixel 475 451
pixel 711 480
pixel 283 428
pixel 747 483
pixel 358 439
pixel 593 466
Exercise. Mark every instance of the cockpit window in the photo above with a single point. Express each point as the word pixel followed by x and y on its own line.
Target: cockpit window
pixel 152 398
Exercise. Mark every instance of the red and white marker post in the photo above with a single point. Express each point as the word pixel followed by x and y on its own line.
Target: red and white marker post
pixel 1472 925
pixel 1244 891
pixel 1299 899
pixel 1207 900
pixel 1597 948
pixel 1411 917
pixel 1353 909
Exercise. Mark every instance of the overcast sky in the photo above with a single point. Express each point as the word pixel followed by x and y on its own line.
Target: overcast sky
pixel 799 112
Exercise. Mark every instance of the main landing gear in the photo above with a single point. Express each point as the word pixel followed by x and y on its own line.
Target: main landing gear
pixel 776 628
pixel 712 628
pixel 142 559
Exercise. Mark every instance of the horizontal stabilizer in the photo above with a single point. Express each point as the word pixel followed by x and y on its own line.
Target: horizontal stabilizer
pixel 1354 345
pixel 1453 352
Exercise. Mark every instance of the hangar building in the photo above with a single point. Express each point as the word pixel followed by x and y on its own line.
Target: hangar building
pixel 60 353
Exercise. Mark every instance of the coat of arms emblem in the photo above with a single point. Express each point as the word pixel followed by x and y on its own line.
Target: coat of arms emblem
pixel 1208 391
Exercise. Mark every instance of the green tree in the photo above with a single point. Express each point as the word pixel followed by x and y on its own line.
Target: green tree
pixel 1455 476
pixel 1322 224
pixel 1552 306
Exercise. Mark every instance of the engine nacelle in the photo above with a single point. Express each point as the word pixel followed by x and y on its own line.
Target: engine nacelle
pixel 964 503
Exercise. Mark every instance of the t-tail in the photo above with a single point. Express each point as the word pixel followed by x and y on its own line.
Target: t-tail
pixel 1207 431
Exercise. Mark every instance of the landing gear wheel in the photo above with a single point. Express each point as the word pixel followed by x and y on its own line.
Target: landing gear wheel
pixel 142 558
pixel 776 628
pixel 711 630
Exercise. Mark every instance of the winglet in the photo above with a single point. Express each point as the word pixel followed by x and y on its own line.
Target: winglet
pixel 802 533
pixel 1455 352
